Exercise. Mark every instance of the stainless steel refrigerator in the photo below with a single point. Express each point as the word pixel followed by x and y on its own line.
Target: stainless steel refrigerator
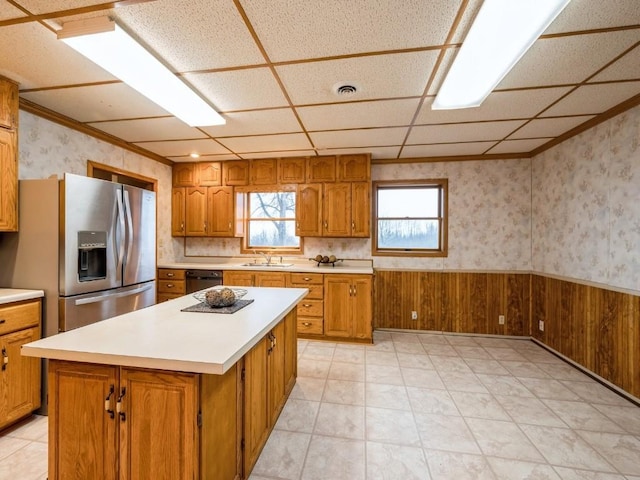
pixel 88 243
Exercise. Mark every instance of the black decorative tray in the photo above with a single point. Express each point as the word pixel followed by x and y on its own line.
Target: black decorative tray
pixel 333 264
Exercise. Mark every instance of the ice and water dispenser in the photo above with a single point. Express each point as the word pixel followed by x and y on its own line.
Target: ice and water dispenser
pixel 92 256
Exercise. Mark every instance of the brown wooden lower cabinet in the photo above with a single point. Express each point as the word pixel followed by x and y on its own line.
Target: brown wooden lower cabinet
pixel 19 376
pixel 347 306
pixel 120 423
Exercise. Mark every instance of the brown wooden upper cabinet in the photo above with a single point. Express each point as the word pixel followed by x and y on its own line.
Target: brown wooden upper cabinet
pixel 8 156
pixel 292 169
pixel 321 169
pixel 263 171
pixel 8 104
pixel 209 174
pixel 354 168
pixel 235 172
pixel 333 209
pixel 178 211
pixel 185 175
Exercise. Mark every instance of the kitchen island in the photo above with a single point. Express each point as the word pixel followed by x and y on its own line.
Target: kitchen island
pixel 161 393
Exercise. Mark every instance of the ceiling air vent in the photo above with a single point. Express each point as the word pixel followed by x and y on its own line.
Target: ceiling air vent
pixel 345 89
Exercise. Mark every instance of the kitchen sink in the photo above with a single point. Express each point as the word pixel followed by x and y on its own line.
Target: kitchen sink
pixel 265 264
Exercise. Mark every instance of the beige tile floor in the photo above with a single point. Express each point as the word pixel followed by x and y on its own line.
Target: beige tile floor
pixel 426 406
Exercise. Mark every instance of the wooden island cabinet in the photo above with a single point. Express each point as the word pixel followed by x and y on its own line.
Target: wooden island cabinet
pixel 122 408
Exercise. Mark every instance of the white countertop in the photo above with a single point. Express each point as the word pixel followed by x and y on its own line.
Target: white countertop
pixel 162 337
pixel 10 295
pixel 364 267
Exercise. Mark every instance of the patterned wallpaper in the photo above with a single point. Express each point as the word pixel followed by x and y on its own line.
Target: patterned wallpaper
pixel 572 211
pixel 586 205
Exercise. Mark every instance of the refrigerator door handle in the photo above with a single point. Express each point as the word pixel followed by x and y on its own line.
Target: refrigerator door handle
pixel 121 236
pixel 102 298
pixel 129 230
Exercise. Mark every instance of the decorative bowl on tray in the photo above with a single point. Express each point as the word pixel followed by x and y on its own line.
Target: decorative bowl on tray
pixel 326 260
pixel 219 297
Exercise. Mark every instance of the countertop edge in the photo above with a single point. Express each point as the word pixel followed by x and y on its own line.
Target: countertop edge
pixel 11 295
pixel 340 269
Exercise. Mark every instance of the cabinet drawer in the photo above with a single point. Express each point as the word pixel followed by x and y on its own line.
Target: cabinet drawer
pixel 306 278
pixel 310 308
pixel 313 325
pixel 170 274
pixel 316 292
pixel 163 297
pixel 16 316
pixel 171 286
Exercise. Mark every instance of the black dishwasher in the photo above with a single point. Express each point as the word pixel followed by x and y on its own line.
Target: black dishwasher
pixel 201 279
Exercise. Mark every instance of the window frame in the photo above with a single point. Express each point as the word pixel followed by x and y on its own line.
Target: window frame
pixel 246 218
pixel 443 185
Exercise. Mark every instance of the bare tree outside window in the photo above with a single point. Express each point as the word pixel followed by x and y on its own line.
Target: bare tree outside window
pixel 271 222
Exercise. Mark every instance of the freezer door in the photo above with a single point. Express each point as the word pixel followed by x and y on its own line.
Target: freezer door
pixel 89 205
pixel 140 237
pixel 83 310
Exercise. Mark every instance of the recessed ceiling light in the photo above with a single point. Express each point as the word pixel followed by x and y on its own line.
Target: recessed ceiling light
pixel 194 155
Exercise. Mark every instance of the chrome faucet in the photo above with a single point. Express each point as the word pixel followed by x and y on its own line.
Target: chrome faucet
pixel 266 256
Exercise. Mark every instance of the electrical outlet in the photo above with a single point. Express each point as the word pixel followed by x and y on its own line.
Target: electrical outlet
pixel 541 325
pixel 501 319
pixel 414 315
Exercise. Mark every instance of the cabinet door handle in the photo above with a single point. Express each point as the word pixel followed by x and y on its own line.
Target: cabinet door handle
pixel 170 285
pixel 229 225
pixel 107 402
pixel 326 224
pixel 353 225
pixel 170 275
pixel 122 414
pixel 182 226
pixel 306 279
pixel 306 305
pixel 351 290
pixel 5 359
pixel 306 324
pixel 2 320
pixel 355 290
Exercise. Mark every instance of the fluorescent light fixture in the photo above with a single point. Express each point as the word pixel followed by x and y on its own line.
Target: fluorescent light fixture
pixel 103 42
pixel 500 35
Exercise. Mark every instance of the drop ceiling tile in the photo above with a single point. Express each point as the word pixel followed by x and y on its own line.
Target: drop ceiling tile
pixel 239 89
pixel 8 11
pixel 95 103
pixel 445 149
pixel 462 132
pixel 38 7
pixel 443 69
pixel 39 60
pixel 468 16
pixel 594 14
pixel 150 129
pixel 376 152
pixel 519 146
pixel 258 122
pixel 184 147
pixel 294 141
pixel 497 106
pixel 405 75
pixel 192 34
pixel 567 60
pixel 300 29
pixel 284 153
pixel 593 99
pixel 387 113
pixel 627 68
pixel 356 138
pixel 549 127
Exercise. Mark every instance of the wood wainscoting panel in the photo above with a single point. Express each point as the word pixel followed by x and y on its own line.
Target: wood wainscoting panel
pixel 595 327
pixel 453 301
